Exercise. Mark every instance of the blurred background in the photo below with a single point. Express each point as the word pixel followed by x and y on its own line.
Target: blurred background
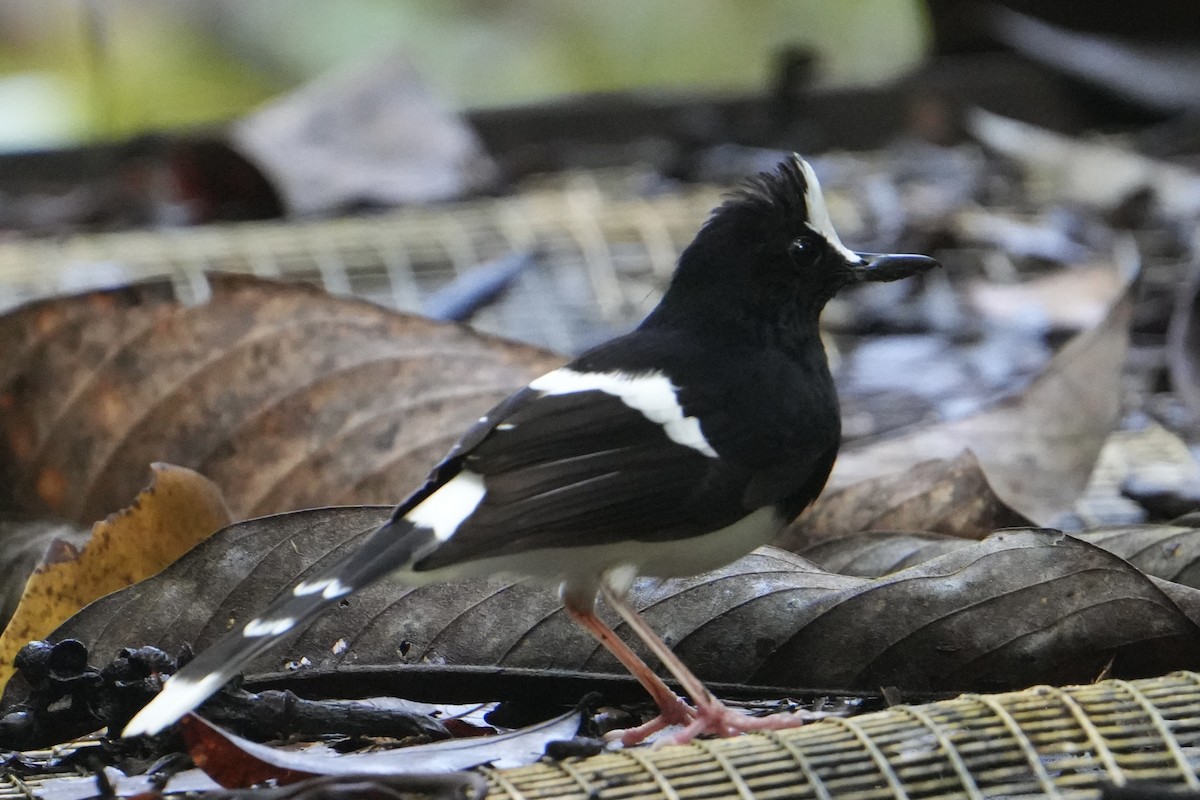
pixel 73 71
pixel 146 115
pixel 535 167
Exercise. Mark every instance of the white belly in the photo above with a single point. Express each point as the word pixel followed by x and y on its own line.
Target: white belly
pixel 580 570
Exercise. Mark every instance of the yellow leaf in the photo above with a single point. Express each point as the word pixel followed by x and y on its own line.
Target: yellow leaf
pixel 179 509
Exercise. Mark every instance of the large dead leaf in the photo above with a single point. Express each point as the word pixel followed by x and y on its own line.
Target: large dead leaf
pixel 952 497
pixel 873 554
pixel 283 395
pixel 1168 552
pixel 178 509
pixel 1037 448
pixel 1016 609
pixel 515 624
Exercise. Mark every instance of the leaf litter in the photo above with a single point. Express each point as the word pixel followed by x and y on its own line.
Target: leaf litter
pixel 236 762
pixel 263 457
pixel 282 395
pixel 738 628
pixel 1037 448
pixel 1019 607
pixel 178 509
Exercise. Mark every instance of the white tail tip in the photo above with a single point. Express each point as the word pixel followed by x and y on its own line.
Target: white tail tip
pixel 178 697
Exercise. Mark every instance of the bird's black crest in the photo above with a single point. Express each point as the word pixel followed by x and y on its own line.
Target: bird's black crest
pixel 779 196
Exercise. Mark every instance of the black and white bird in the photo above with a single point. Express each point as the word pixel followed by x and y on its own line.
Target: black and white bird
pixel 669 451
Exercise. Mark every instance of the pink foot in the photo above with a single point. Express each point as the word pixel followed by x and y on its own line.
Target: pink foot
pixel 677 713
pixel 717 719
pixel 712 719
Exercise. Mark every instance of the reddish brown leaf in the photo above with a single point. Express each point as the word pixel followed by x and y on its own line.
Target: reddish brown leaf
pixel 215 752
pixel 283 395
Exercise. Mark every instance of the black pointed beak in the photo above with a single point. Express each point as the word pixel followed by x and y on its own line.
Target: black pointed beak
pixel 889 267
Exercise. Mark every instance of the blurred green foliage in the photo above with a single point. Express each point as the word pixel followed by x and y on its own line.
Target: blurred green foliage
pixel 72 69
pixel 110 69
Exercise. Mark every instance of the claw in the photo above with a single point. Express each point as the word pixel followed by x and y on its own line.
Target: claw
pixel 711 719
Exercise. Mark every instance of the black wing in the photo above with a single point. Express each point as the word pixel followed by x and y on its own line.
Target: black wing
pixel 585 469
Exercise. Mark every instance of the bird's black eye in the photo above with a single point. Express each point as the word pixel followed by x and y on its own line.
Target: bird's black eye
pixel 802 250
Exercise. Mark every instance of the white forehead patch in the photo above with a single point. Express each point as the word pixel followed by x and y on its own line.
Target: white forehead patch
pixel 818 213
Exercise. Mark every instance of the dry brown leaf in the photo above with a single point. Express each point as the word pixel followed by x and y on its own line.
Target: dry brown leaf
pixel 873 554
pixel 1076 298
pixel 1038 447
pixel 1019 607
pixel 178 509
pixel 1167 552
pixel 951 497
pixel 1171 552
pixel 286 397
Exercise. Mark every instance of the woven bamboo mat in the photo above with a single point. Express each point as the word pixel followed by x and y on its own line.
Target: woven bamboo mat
pixel 1042 742
pixel 1064 743
pixel 607 248
pixel 25 787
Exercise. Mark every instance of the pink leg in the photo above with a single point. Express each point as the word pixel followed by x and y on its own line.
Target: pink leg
pixel 711 715
pixel 672 709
